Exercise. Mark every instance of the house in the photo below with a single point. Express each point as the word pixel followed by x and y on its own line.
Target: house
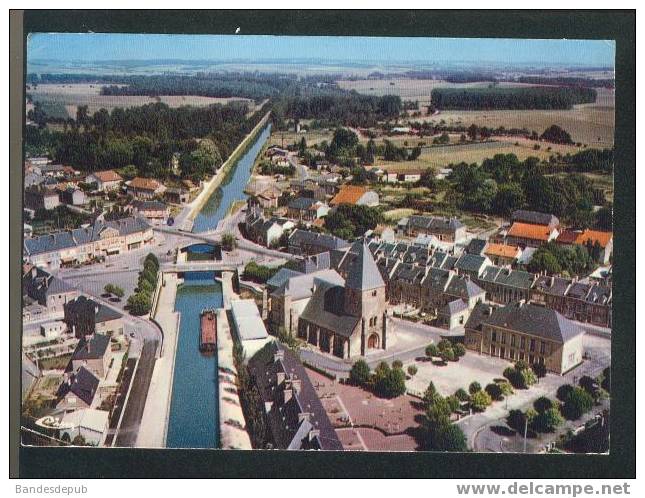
pixel 584 302
pixel 472 265
pixel 48 169
pixel 266 232
pixel 41 198
pixel 77 391
pixel 88 423
pixel 503 285
pixel 177 195
pixel 410 176
pixel 348 320
pixel 73 196
pixel 535 218
pixel 52 293
pixel 304 209
pixel 105 180
pixel 33 179
pixel 502 254
pixel 355 195
pixel 441 287
pixel 305 242
pixel 85 317
pixel 268 197
pixel 526 234
pixel 445 229
pixel 528 332
pixel 248 325
pixel 145 188
pixel 93 353
pixel 454 314
pixel 476 246
pixel 103 238
pixel 53 329
pixel 605 240
pixel 156 212
pixel 296 419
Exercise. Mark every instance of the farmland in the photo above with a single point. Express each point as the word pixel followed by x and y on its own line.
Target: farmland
pixel 592 124
pixel 441 156
pixel 70 96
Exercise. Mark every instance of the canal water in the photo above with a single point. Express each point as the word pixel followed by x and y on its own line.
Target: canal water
pixel 193 420
pixel 232 188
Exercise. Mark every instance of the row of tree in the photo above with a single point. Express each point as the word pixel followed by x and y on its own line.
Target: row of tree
pixel 140 302
pixel 473 99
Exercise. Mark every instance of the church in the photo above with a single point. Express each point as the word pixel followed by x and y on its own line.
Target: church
pixel 348 320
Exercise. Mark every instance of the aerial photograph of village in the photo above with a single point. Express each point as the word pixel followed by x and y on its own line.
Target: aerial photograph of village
pixel 317 243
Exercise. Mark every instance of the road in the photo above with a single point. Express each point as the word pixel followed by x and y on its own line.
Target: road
pixel 129 428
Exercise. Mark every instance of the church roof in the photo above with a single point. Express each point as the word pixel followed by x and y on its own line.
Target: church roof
pixel 363 273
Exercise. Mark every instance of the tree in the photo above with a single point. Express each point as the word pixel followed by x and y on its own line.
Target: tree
pixel 448 355
pixel 412 370
pixel 139 303
pixel 480 400
pixel 564 391
pixel 449 437
pixel 516 420
pixel 462 395
pixel 509 197
pixel 360 372
pixel 392 384
pixel 344 139
pixel 539 369
pixel 228 242
pixel 494 391
pixel 459 349
pixel 397 364
pixel 430 396
pixel 542 404
pixel 474 387
pixel 201 162
pixel 577 404
pixel 547 420
pixel 557 135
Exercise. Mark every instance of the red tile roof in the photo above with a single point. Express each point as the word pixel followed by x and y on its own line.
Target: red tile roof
pixel 528 231
pixel 348 194
pixel 144 183
pixel 602 238
pixel 502 250
pixel 108 176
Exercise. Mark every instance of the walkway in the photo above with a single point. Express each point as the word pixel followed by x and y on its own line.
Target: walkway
pixel 155 414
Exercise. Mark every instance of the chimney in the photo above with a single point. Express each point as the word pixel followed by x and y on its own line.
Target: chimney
pixel 302 416
pixel 489 310
pixel 551 281
pixel 313 433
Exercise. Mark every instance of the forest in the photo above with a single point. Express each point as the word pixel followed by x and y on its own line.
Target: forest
pixel 474 99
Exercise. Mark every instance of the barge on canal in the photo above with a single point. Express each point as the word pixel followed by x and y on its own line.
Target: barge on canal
pixel 208 331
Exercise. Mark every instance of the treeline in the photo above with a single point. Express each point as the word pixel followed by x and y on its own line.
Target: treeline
pixel 568 81
pixel 346 110
pixel 146 137
pixel 511 98
pixel 503 184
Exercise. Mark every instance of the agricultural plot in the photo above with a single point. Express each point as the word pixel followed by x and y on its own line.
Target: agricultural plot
pixel 71 96
pixel 312 137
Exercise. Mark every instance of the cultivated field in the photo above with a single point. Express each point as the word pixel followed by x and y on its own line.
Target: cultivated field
pixel 73 95
pixel 592 124
pixel 441 156
pixel 289 137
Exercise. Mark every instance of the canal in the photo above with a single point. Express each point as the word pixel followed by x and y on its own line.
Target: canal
pixel 193 420
pixel 232 188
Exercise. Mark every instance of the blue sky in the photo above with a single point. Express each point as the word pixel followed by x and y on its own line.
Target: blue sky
pixel 100 46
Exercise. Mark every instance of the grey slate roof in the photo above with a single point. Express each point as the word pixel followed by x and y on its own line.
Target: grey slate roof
pixel 476 246
pixel 515 278
pixel 93 349
pixel 281 277
pixel 38 284
pixel 301 286
pixel 534 218
pixel 363 274
pixel 324 241
pixel 409 273
pixel 463 287
pixel 470 262
pixel 453 307
pixel 435 224
pixel 326 309
pixel 301 422
pixel 82 383
pixel 301 203
pixel 535 320
pixel 66 239
pixel 554 286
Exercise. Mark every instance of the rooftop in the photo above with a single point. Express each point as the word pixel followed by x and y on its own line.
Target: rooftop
pixel 529 231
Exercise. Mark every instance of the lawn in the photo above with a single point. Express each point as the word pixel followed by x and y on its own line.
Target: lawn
pixel 55 363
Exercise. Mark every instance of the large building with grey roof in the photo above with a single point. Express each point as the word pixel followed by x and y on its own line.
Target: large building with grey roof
pixel 527 332
pixel 102 238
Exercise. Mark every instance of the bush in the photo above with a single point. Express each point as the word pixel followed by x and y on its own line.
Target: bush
pixel 445 345
pixel 412 370
pixel 480 400
pixel 588 384
pixel 539 369
pixel 516 420
pixel 139 304
pixel 474 387
pixel 448 355
pixel 453 403
pixel 577 404
pixel 432 351
pixel 228 242
pixel 506 388
pixel 449 437
pixel 459 349
pixel 520 378
pixel 606 379
pixel 494 391
pixel 397 364
pixel 360 372
pixel 542 404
